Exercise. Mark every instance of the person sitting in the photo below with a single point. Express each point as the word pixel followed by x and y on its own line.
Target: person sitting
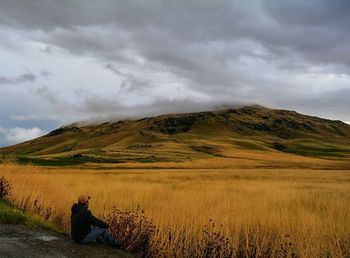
pixel 86 228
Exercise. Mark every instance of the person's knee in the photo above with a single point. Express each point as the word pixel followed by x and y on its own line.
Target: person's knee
pixel 104 232
pixel 101 231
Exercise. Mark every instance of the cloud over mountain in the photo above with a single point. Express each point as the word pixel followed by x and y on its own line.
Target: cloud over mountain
pixel 103 55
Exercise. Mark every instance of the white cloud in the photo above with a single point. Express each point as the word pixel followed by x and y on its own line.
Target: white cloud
pixel 19 134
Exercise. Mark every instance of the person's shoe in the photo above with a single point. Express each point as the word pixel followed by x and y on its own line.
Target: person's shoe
pixel 100 241
pixel 117 244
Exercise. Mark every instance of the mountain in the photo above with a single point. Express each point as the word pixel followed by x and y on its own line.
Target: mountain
pixel 230 133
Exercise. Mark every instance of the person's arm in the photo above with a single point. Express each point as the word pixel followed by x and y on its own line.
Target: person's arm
pixel 93 220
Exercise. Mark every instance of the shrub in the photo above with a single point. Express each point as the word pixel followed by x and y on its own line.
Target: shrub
pixel 5 188
pixel 135 230
pixel 211 243
pixel 139 235
pixel 214 243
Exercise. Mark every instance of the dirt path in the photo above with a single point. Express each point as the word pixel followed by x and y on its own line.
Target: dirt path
pixel 19 241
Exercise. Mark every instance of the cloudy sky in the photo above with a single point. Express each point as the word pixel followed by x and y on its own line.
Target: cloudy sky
pixel 70 60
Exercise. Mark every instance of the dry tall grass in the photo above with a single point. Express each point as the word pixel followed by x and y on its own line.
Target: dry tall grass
pixel 275 213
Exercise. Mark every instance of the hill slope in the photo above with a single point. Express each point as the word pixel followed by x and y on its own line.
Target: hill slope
pixel 190 136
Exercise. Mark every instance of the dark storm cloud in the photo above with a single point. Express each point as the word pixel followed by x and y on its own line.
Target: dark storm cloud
pixel 168 26
pixel 320 13
pixel 27 77
pixel 165 31
pixel 254 51
pixel 319 29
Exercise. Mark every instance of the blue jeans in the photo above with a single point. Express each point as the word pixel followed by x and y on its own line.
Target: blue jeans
pixel 100 235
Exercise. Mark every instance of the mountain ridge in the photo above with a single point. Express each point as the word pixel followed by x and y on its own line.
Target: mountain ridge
pixel 191 136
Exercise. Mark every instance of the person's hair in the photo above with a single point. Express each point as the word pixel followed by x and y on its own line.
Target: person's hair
pixel 83 199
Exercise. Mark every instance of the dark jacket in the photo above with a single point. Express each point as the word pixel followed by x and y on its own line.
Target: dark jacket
pixel 81 222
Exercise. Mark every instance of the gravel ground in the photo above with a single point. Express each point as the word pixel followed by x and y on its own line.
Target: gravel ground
pixel 19 241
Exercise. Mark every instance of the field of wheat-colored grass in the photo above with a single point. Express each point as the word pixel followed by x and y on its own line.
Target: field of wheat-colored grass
pixel 289 212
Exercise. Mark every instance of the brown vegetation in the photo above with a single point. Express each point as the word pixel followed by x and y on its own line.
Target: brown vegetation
pixel 5 188
pixel 263 213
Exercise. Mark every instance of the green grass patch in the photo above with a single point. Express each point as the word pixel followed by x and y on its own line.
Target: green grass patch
pixel 79 159
pixel 64 161
pixel 207 149
pixel 149 159
pixel 11 215
pixel 314 148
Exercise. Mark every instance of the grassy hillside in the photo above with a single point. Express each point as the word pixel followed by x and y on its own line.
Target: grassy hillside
pixel 188 137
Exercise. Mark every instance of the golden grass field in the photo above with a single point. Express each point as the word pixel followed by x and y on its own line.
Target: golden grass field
pixel 305 213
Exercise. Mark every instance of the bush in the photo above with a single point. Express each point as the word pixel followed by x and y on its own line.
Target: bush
pixel 135 231
pixel 140 236
pixel 214 243
pixel 5 188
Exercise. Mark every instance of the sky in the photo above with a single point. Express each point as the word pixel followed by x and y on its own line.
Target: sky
pixel 63 61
